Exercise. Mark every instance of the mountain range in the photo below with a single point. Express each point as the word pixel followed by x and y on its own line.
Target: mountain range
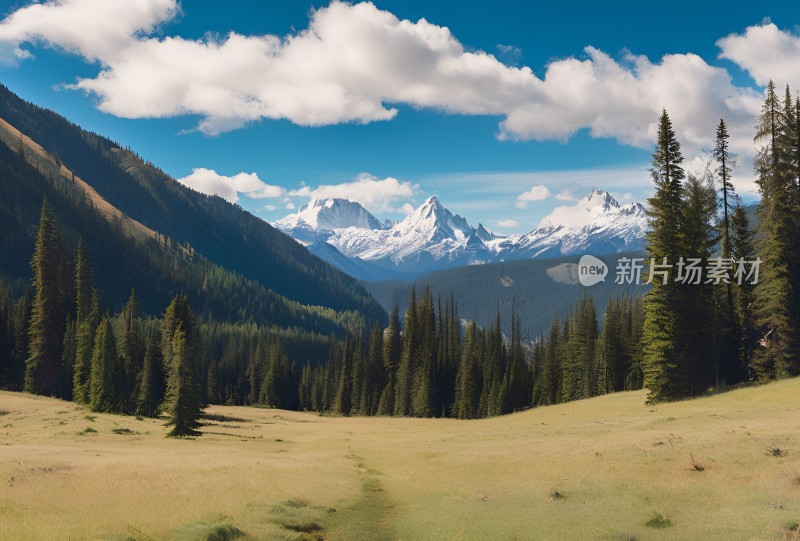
pixel 431 238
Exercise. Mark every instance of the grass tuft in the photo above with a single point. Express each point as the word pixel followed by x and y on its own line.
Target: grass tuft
pixel 89 430
pixel 206 531
pixel 659 521
pixel 777 452
pixel 123 431
pixel 557 495
pixel 90 418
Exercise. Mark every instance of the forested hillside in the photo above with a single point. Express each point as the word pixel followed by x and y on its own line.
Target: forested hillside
pixel 223 233
pixel 541 289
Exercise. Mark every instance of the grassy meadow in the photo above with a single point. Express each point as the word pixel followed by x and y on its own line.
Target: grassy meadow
pixel 725 467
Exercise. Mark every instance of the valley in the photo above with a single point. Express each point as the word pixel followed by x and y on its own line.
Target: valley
pixel 717 468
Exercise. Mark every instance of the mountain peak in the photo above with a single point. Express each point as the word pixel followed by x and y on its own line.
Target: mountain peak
pixel 328 214
pixel 597 207
pixel 598 197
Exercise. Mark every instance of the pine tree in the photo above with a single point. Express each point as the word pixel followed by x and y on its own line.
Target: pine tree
pixel 408 358
pixel 181 404
pixel 357 379
pixel 104 377
pixel 130 349
pixel 46 328
pixel 743 250
pixel 518 384
pixel 467 392
pixel 701 332
pixel 548 386
pixel 664 375
pixel 147 400
pixel 424 400
pixel 727 366
pixel 392 346
pixel 374 376
pixel 179 314
pixel 84 346
pixel 68 357
pixel 84 283
pixel 774 303
pixel 342 404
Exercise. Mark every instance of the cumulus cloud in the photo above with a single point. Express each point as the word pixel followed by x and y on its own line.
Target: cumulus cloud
pixel 536 193
pixel 765 52
pixel 98 30
pixel 354 60
pixel 507 223
pixel 210 182
pixel 377 195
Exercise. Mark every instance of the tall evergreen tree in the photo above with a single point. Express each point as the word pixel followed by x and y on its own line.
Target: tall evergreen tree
pixel 408 359
pixel 179 314
pixel 742 246
pixel 391 359
pixel 181 404
pixel 700 330
pixel 664 375
pixel 467 395
pixel 147 400
pixel 774 303
pixel 424 399
pixel 130 349
pixel 84 346
pixel 104 392
pixel 729 332
pixel 46 329
pixel 84 283
pixel 68 358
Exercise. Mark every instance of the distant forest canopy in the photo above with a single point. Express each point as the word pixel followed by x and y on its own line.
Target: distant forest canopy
pixel 539 290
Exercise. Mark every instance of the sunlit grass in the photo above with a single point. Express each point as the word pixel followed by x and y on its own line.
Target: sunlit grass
pixel 724 467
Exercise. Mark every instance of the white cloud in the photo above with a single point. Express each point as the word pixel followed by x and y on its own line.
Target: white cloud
pixel 536 193
pixel 271 208
pixel 95 29
pixel 289 206
pixel 377 195
pixel 210 182
pixel 507 223
pixel 623 100
pixel 565 195
pixel 765 52
pixel 352 60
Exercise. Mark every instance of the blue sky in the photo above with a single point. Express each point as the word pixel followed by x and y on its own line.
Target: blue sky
pixel 510 132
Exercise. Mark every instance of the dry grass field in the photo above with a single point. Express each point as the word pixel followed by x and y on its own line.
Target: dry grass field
pixel 725 467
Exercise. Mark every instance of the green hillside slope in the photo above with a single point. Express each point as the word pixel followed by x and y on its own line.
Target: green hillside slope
pixel 223 233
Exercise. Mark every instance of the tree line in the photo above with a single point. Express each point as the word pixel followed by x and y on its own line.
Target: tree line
pixel 59 341
pixel 699 336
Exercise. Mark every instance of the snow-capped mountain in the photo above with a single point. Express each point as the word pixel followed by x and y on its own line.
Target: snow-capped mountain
pixel 431 237
pixel 597 224
pixel 321 215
